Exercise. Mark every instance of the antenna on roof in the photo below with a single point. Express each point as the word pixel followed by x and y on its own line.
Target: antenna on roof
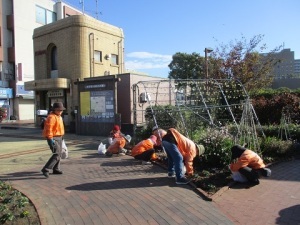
pixel 82 3
pixel 96 9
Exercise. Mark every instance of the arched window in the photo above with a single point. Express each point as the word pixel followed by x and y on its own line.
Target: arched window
pixel 54 58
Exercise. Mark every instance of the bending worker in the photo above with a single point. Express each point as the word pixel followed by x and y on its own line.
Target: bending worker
pixel 181 152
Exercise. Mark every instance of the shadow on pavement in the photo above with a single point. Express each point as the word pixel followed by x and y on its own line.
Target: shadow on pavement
pixel 22 176
pixel 290 215
pixel 122 184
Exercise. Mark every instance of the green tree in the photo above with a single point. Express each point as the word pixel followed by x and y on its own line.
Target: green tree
pixel 187 66
pixel 240 59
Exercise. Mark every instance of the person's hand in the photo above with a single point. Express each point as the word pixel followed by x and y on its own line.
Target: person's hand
pixel 51 142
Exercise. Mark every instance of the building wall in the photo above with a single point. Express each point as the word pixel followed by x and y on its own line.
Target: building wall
pixel 126 95
pixel 297 68
pixel 291 83
pixel 76 38
pixel 17 22
pixel 286 67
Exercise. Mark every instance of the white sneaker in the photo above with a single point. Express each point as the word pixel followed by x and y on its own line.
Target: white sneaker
pixel 146 163
pixel 171 175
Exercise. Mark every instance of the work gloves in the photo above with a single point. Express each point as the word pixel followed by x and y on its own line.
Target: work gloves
pixel 51 144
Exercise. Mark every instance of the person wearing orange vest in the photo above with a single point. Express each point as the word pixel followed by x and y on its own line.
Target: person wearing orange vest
pixel 179 149
pixel 117 145
pixel 144 150
pixel 54 131
pixel 247 166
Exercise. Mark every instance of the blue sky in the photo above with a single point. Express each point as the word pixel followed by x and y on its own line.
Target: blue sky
pixel 157 29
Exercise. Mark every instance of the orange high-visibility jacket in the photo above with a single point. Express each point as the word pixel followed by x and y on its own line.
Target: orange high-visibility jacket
pixel 187 149
pixel 54 126
pixel 248 158
pixel 117 144
pixel 143 146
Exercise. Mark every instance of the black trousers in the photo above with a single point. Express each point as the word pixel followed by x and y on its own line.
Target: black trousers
pixel 54 161
pixel 146 155
pixel 252 175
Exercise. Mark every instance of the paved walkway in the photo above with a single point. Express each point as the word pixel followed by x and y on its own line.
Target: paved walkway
pixel 119 190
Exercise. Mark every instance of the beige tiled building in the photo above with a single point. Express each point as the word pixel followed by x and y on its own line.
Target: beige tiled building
pixel 68 51
pixel 80 62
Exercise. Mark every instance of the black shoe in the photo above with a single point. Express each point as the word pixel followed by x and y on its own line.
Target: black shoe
pixel 254 182
pixel 45 173
pixel 266 172
pixel 57 172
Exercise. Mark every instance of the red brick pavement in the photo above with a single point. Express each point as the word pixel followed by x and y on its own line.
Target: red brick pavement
pixel 275 201
pixel 118 190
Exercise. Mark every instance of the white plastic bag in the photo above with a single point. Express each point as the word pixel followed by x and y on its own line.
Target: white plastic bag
pixel 64 150
pixel 238 177
pixel 110 140
pixel 102 149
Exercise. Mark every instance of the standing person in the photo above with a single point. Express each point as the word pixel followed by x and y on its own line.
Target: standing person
pixel 247 166
pixel 54 131
pixel 179 149
pixel 144 150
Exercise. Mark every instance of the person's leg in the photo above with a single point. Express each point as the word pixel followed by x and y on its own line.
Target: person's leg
pixel 175 159
pixel 251 175
pixel 170 160
pixel 238 177
pixel 56 167
pixel 265 172
pixel 54 161
pixel 145 156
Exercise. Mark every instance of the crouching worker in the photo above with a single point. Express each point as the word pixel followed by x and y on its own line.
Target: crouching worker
pixel 179 149
pixel 144 150
pixel 117 145
pixel 247 166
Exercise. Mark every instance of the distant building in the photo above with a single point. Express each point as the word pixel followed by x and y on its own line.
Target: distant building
pixel 286 66
pixel 297 67
pixel 18 19
pixel 287 71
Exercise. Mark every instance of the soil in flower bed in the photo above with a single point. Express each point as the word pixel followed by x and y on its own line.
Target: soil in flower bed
pixel 15 208
pixel 209 180
pixel 212 181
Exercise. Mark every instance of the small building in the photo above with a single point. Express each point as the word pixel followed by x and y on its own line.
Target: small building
pixel 70 50
pixel 80 61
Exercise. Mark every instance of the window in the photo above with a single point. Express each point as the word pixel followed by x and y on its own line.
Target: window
pixel 97 56
pixel 44 16
pixel 114 59
pixel 54 58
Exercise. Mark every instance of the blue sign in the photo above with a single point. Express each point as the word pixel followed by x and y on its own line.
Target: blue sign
pixel 20 90
pixel 6 93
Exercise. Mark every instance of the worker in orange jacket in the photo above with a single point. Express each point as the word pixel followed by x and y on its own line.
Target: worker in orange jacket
pixel 117 145
pixel 181 152
pixel 144 150
pixel 54 131
pixel 247 166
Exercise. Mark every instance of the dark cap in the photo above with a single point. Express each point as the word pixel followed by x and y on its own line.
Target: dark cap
pixel 58 106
